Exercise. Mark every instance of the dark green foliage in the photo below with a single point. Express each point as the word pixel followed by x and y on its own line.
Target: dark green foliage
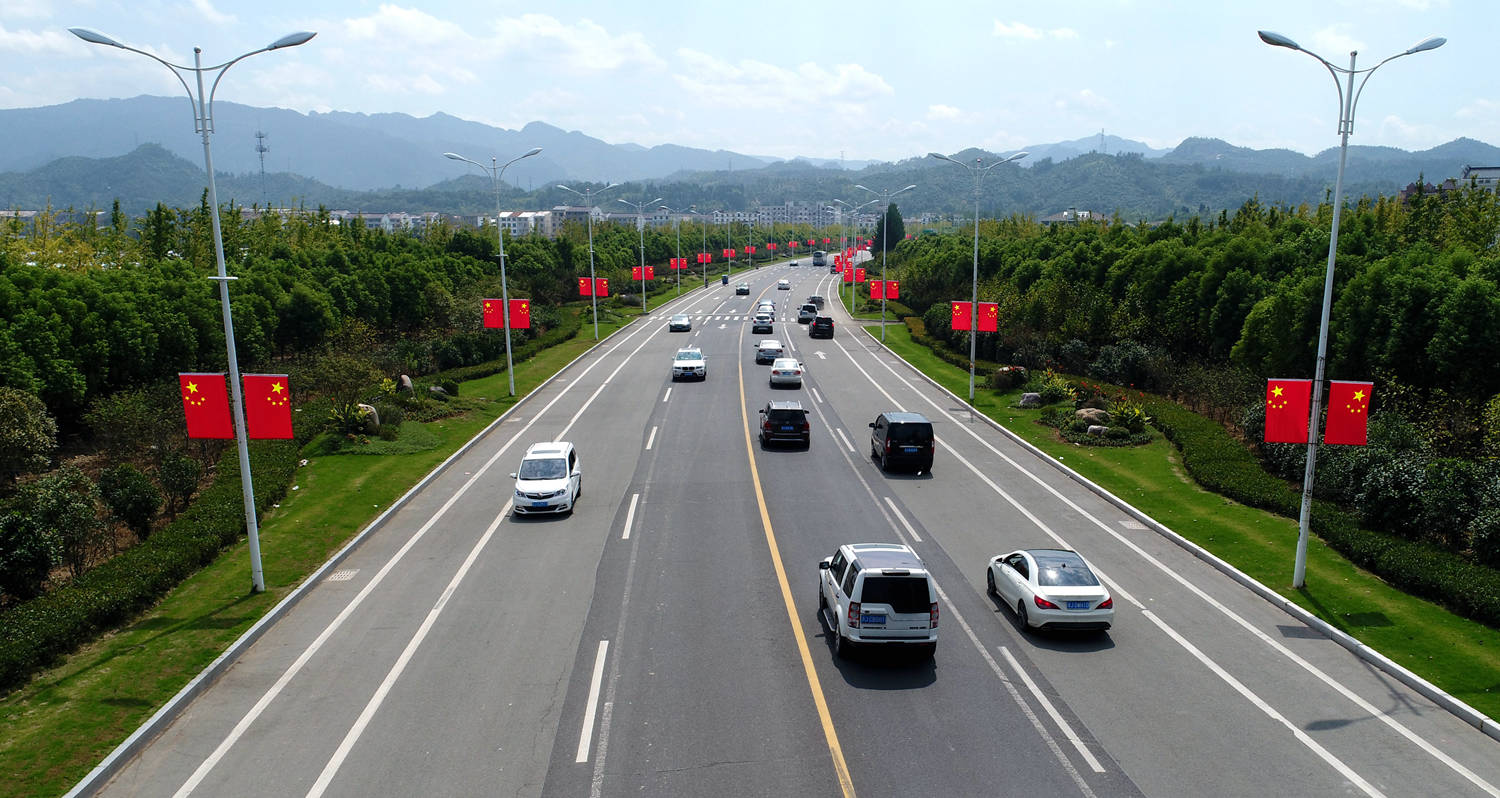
pixel 179 480
pixel 28 436
pixel 64 504
pixel 131 497
pixel 27 553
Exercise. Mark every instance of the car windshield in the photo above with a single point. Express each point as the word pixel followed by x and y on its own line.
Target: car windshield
pixel 1060 570
pixel 689 354
pixel 904 593
pixel 549 468
pixel 679 318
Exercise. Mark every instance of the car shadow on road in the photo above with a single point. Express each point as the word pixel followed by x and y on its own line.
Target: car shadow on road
pixel 1065 640
pixel 880 668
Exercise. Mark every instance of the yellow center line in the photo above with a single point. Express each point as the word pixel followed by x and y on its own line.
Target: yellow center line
pixel 846 784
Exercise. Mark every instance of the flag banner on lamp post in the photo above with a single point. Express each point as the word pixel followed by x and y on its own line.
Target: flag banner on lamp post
pixel 520 314
pixel 705 257
pixel 585 288
pixel 848 274
pixel 205 403
pixel 1348 412
pixel 827 241
pixel 809 242
pixel 892 289
pixel 859 274
pixel 750 250
pixel 771 246
pixel 877 289
pixel 1287 405
pixel 961 315
pixel 989 317
pixel 637 271
pixel 492 316
pixel 268 406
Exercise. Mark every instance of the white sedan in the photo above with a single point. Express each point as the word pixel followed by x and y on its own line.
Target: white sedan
pixel 1050 589
pixel 783 285
pixel 786 371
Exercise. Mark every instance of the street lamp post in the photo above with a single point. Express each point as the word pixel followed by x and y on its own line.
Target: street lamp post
pixel 978 173
pixel 588 202
pixel 204 122
pixel 677 219
pixel 1348 100
pixel 704 226
pixel 849 239
pixel 885 245
pixel 496 173
pixel 640 226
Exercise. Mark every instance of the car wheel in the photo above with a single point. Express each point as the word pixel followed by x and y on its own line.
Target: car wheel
pixel 842 648
pixel 1022 617
pixel 989 582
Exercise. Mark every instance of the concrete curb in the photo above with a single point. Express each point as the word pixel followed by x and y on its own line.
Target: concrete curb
pixel 1485 724
pixel 158 722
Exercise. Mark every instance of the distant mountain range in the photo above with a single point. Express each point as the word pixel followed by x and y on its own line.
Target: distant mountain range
pixel 87 153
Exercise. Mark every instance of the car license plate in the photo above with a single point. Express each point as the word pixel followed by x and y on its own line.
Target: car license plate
pixel 1078 605
pixel 786 428
pixel 909 449
pixel 875 619
pixel 538 504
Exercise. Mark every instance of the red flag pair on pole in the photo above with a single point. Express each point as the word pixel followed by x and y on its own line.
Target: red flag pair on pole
pixel 884 289
pixel 729 253
pixel 989 316
pixel 268 405
pixel 599 286
pixel 635 273
pixel 854 274
pixel 520 314
pixel 1288 404
pixel 705 257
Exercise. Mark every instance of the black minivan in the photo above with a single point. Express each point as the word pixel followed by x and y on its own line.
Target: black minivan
pixel 901 439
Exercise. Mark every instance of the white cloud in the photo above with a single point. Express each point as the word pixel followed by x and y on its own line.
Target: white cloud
pixel 1020 30
pixel 1483 111
pixel 32 42
pixel 1335 43
pixel 405 84
pixel 213 15
pixel 943 112
pixel 33 9
pixel 581 47
pixel 758 84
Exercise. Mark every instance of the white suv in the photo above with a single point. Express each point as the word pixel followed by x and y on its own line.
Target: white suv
pixel 878 594
pixel 550 479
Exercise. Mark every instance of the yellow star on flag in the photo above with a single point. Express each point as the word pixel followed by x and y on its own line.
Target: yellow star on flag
pixel 192 387
pixel 276 387
pixel 1277 391
pixel 1359 396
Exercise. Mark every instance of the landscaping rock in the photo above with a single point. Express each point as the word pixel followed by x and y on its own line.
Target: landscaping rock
pixel 1093 415
pixel 372 416
pixel 405 385
pixel 1031 400
pixel 1097 429
pixel 437 389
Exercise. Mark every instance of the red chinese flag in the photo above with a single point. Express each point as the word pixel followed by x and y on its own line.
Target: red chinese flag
pixel 908 235
pixel 1348 411
pixel 771 247
pixel 827 240
pixel 848 274
pixel 601 286
pixel 726 254
pixel 731 252
pixel 1287 404
pixel 892 289
pixel 961 313
pixel 750 249
pixel 584 288
pixel 492 315
pixel 650 272
pixel 268 406
pixel 859 274
pixel 809 242
pixel 520 314
pixel 792 244
pixel 205 402
pixel 635 273
pixel 989 317
pixel 877 289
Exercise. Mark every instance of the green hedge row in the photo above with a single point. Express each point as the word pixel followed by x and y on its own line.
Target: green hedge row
pixel 37 633
pixel 940 348
pixel 1223 465
pixel 570 322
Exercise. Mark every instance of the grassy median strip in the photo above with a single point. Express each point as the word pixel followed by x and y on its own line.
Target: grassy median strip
pixel 57 728
pixel 1460 656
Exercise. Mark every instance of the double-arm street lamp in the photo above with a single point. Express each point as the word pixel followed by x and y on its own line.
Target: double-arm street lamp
pixel 978 171
pixel 677 219
pixel 588 203
pixel 885 196
pixel 1348 100
pixel 693 209
pixel 203 119
pixel 496 173
pixel 849 238
pixel 640 226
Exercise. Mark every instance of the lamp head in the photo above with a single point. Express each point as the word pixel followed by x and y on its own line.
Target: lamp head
pixel 940 157
pixel 454 156
pixel 1277 40
pixel 1430 43
pixel 292 40
pixel 1018 156
pixel 531 152
pixel 94 37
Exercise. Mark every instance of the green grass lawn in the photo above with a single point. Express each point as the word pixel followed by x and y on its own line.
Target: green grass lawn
pixel 1458 655
pixel 57 728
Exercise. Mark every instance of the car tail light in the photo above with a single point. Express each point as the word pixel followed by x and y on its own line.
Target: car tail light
pixel 854 615
pixel 933 614
pixel 1106 604
pixel 887 445
pixel 765 424
pixel 806 426
pixel 1042 603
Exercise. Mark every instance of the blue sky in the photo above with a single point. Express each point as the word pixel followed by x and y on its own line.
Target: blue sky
pixel 869 80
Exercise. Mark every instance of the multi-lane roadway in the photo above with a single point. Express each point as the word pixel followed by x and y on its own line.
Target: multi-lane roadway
pixel 663 640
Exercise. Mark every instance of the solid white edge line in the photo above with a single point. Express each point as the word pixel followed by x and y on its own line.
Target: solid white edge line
pixel 902 519
pixel 587 735
pixel 1303 737
pixel 1052 711
pixel 651 439
pixel 373 705
pixel 845 439
pixel 630 516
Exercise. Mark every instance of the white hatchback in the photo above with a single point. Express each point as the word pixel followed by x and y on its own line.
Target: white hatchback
pixel 1050 589
pixel 550 479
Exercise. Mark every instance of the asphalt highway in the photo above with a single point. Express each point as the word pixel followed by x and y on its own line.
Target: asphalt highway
pixel 663 640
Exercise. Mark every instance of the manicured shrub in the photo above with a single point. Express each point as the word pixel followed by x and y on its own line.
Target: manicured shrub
pixel 27 553
pixel 131 497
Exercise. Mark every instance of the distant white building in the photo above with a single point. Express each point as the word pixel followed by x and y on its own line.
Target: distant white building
pixel 1487 177
pixel 1072 216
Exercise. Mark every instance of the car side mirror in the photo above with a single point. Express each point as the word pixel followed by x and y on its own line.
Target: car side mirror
pixel 872 425
pixel 512 476
pixel 823 565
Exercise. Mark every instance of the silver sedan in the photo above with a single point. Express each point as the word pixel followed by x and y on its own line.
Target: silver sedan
pixel 786 371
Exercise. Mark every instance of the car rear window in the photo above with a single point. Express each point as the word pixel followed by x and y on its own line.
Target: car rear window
pixel 782 416
pixel 1064 572
pixel 911 433
pixel 904 593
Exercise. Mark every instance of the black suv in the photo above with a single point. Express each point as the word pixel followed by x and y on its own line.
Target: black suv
pixel 785 422
pixel 821 327
pixel 898 439
pixel 816 300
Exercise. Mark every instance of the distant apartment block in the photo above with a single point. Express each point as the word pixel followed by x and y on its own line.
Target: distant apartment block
pixel 1486 177
pixel 1072 216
